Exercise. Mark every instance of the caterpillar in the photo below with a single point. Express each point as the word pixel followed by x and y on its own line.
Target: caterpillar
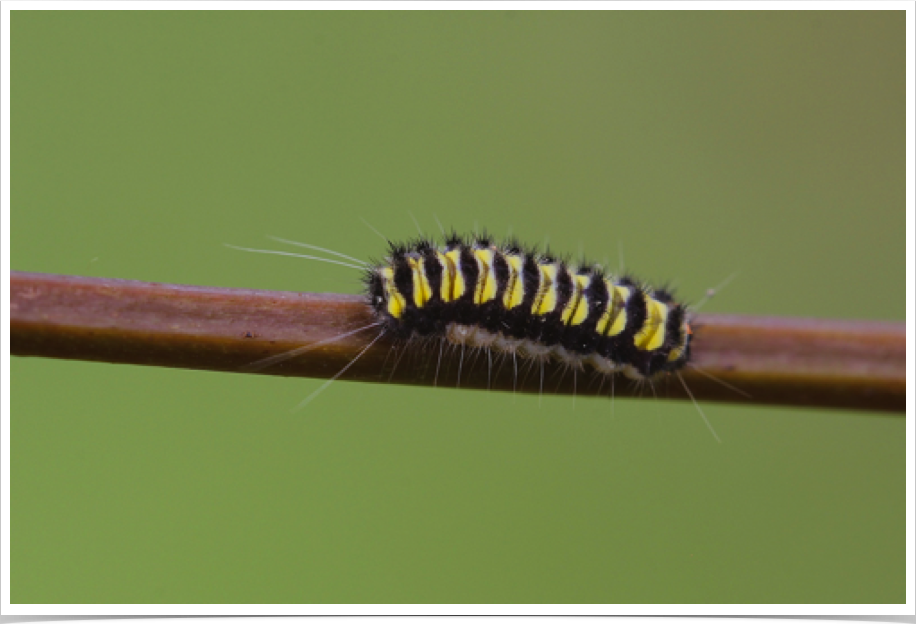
pixel 472 291
pixel 517 301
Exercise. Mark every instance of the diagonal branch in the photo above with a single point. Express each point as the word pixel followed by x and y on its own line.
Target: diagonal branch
pixel 785 361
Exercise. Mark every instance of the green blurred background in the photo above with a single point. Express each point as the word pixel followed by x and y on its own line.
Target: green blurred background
pixel 701 143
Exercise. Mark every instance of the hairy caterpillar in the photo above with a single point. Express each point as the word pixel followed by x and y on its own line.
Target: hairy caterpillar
pixel 514 300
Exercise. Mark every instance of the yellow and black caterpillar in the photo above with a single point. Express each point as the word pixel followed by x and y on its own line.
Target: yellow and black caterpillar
pixel 516 300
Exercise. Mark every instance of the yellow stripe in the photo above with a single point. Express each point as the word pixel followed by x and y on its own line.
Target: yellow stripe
pixel 652 334
pixel 614 319
pixel 515 287
pixel 452 277
pixel 546 299
pixel 678 350
pixel 422 292
pixel 486 281
pixel 396 302
pixel 576 310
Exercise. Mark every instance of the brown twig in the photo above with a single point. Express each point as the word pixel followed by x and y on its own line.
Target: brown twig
pixel 802 362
